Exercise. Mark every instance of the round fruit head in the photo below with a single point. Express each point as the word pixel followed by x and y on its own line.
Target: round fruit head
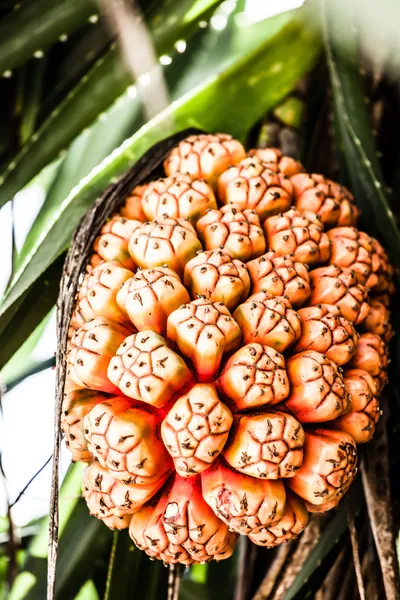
pixel 196 429
pixel 266 445
pixel 126 441
pixel 299 235
pixel 179 527
pixel 378 320
pixel 252 184
pixel 151 296
pixel 113 241
pixel 324 329
pixel 204 331
pixel 351 248
pixel 145 369
pixel 132 207
pixel 204 156
pixel 372 356
pixel 317 390
pixel 164 242
pixel 218 276
pixel 330 201
pixel 278 162
pixel 254 376
pixel 268 320
pixel 232 229
pixel 280 276
pixel 328 469
pixel 178 196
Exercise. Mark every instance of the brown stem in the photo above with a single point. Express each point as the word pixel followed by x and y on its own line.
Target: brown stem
pixel 273 573
pixel 355 547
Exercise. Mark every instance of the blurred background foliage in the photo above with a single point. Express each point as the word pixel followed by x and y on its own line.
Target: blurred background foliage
pixel 320 81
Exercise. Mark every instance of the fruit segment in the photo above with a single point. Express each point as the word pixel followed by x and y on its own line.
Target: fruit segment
pixel 276 161
pixel 381 280
pixel 218 276
pixel 75 407
pixel 330 201
pixel 280 276
pixel 372 356
pixel 178 196
pixel 165 242
pixel 298 234
pixel 204 156
pixel 179 527
pixel 196 429
pixel 132 207
pixel 150 296
pixel 329 466
pixel 364 413
pixel 378 320
pixel 125 440
pixel 92 347
pixel 334 285
pixel 97 295
pixel 324 329
pixel 268 445
pixel 233 229
pixel 107 497
pixel 293 522
pixel 245 504
pixel 268 320
pixel 254 376
pixel 354 249
pixel 204 331
pixel 317 390
pixel 145 369
pixel 112 243
pixel 252 184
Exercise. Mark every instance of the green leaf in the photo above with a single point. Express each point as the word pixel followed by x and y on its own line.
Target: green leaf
pixel 252 85
pixel 34 26
pixel 97 89
pixel 23 316
pixel 83 539
pixel 88 592
pixel 354 134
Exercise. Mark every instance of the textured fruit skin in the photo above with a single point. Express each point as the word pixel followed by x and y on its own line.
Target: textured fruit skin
pixel 253 377
pixel 253 185
pixel 293 522
pixel 125 440
pixel 329 466
pixel 92 347
pixel 178 526
pixel 108 497
pixel 203 331
pixel 268 320
pixel 354 249
pixel 112 243
pixel 195 429
pixel 276 161
pixel 378 320
pixel 146 369
pixel 218 276
pixel 178 196
pixel 298 234
pixel 364 413
pixel 149 297
pixel 330 201
pixel 324 329
pixel 372 356
pixel 204 156
pixel 317 390
pixel 94 260
pixel 280 276
pixel 97 295
pixel 244 506
pixel 232 229
pixel 338 286
pixel 75 407
pixel 132 207
pixel 268 445
pixel 381 280
pixel 164 242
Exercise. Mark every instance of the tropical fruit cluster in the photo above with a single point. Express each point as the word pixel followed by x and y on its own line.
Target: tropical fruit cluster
pixel 226 353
